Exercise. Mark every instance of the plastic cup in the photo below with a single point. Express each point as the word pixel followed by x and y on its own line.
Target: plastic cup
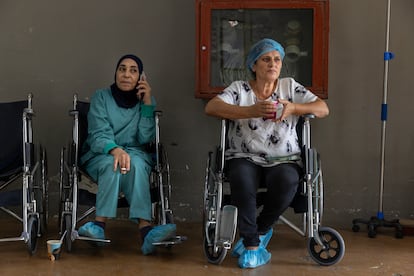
pixel 53 249
pixel 279 110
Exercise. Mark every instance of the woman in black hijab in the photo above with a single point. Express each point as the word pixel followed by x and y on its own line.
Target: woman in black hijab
pixel 120 124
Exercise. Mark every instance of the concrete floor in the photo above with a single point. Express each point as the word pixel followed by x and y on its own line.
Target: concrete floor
pixel 383 255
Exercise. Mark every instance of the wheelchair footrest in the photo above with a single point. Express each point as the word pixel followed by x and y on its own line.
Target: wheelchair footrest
pixel 226 244
pixel 93 240
pixel 172 241
pixel 228 223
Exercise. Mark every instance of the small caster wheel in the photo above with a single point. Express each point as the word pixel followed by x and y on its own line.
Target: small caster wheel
pixel 371 231
pixel 355 228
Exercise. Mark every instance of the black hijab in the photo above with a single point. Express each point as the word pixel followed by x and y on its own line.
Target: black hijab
pixel 126 99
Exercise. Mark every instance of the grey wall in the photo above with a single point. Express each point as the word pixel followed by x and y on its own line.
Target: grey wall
pixel 55 48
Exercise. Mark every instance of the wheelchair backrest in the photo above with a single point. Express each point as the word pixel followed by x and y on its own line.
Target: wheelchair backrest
pixel 79 129
pixel 11 137
pixel 83 109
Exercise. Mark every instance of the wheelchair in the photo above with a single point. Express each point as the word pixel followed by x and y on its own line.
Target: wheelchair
pixel 325 245
pixel 25 166
pixel 78 188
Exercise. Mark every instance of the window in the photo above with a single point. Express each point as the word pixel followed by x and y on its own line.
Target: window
pixel 227 29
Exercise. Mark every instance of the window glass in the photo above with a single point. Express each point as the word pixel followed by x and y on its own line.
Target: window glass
pixel 233 31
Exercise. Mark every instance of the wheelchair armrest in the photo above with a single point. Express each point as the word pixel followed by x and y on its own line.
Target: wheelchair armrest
pixel 73 112
pixel 28 111
pixel 308 116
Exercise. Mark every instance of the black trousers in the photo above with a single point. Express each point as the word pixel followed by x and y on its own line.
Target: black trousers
pixel 245 178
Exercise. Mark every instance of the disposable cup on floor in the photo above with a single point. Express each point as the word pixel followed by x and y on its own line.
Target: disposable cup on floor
pixel 53 249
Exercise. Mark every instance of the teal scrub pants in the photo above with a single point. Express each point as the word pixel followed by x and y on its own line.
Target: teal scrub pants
pixel 134 185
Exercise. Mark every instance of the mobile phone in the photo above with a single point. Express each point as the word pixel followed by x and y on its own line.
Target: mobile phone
pixel 142 76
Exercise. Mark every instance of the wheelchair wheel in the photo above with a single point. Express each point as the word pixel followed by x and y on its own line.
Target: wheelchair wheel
pixel 372 231
pixel 169 218
pixel 334 247
pixel 165 170
pixel 158 217
pixel 43 204
pixel 162 191
pixel 67 226
pixel 207 195
pixel 165 177
pixel 32 229
pixel 355 228
pixel 214 254
pixel 62 181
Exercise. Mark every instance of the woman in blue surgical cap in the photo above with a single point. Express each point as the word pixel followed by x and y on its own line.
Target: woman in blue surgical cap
pixel 263 145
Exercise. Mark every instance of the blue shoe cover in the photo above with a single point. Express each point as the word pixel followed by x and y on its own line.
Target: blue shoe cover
pixel 254 258
pixel 92 230
pixel 264 241
pixel 157 234
pixel 238 248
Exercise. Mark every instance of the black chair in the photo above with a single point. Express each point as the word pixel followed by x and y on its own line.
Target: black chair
pixel 23 172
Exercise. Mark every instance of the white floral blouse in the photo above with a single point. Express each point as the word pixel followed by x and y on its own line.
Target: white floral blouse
pixel 263 141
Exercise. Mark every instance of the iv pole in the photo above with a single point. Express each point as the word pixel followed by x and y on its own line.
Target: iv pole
pixel 379 220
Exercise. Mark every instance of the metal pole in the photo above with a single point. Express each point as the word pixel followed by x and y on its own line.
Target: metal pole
pixel 387 57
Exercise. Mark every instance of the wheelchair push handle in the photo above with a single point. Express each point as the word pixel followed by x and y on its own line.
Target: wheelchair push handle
pixel 75 101
pixel 29 100
pixel 158 113
pixel 29 110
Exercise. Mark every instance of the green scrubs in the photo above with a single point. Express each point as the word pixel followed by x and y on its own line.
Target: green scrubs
pixel 111 126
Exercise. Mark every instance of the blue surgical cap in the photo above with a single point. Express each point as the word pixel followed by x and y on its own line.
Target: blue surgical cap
pixel 262 47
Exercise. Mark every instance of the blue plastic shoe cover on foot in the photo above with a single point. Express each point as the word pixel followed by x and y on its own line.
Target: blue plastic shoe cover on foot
pixel 254 258
pixel 157 234
pixel 264 241
pixel 92 230
pixel 238 248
